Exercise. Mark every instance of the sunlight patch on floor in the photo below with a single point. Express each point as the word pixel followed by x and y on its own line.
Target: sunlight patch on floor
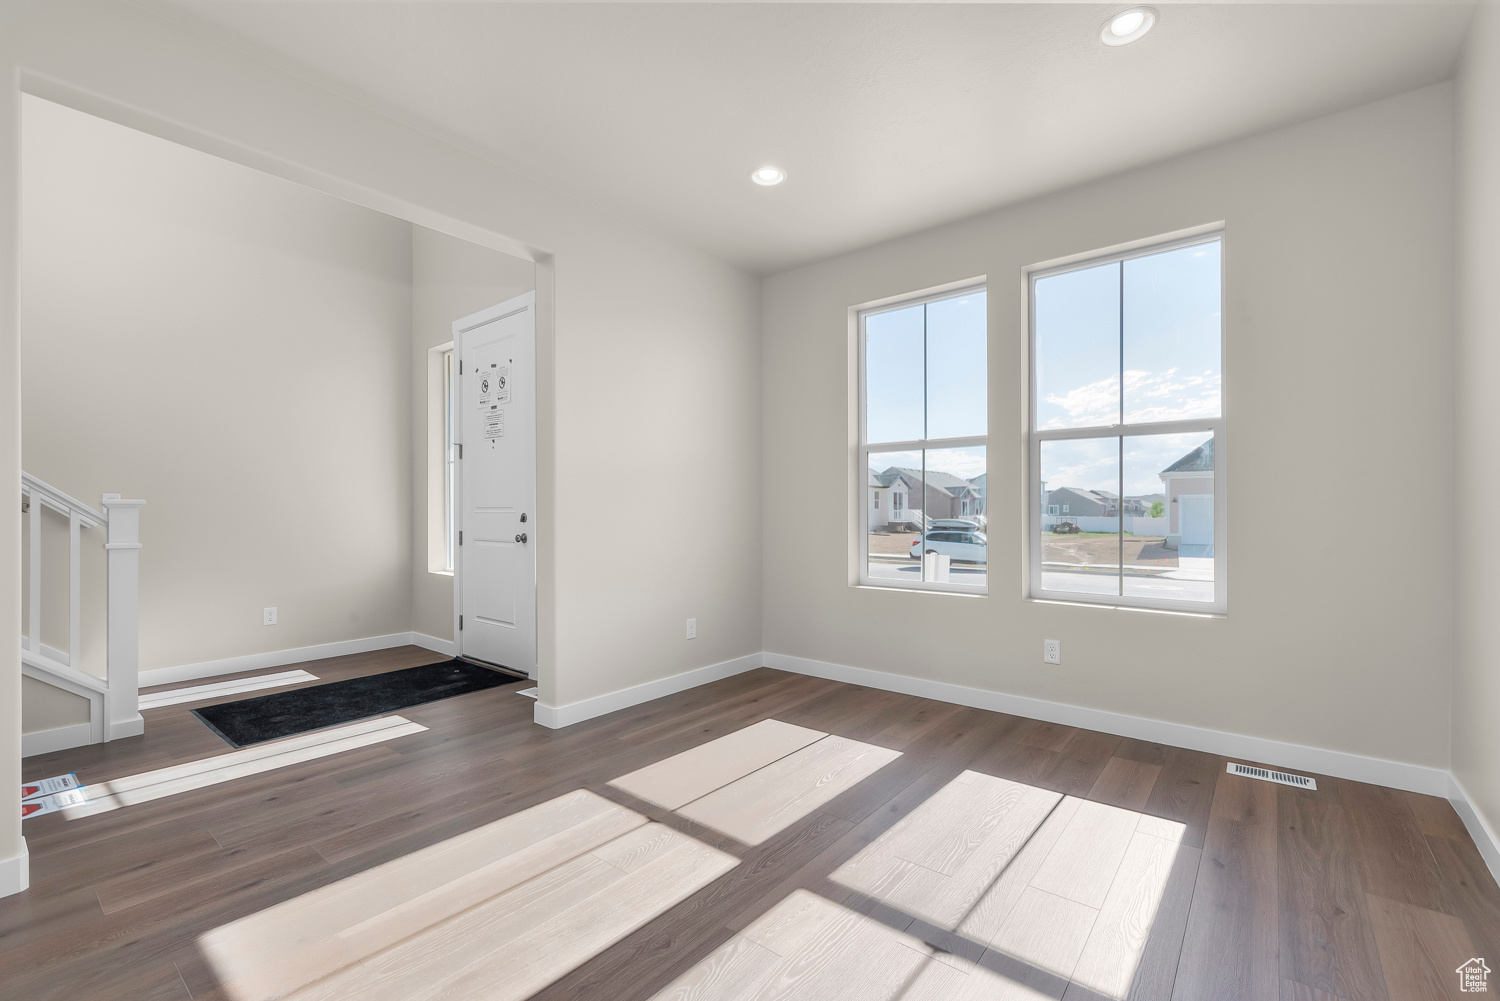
pixel 808 948
pixel 676 781
pixel 990 889
pixel 1053 886
pixel 496 913
pixel 219 689
pixel 144 787
pixel 769 800
pixel 756 782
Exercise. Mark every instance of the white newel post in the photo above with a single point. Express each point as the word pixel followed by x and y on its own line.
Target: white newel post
pixel 123 631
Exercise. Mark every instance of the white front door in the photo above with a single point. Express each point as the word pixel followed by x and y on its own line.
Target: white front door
pixel 494 563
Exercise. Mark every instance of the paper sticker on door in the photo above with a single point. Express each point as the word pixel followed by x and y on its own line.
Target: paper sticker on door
pixel 486 390
pixel 502 384
pixel 494 423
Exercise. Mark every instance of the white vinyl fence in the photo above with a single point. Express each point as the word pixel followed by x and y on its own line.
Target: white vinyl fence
pixel 1133 526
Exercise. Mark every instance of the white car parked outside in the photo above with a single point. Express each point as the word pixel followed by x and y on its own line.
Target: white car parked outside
pixel 965 547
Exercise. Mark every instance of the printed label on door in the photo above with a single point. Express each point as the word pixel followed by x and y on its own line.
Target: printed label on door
pixel 494 423
pixel 502 384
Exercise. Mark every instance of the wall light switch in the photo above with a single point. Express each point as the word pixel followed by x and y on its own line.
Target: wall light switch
pixel 692 629
pixel 1052 651
pixel 268 616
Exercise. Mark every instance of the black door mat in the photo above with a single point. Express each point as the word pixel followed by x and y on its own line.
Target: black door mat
pixel 284 714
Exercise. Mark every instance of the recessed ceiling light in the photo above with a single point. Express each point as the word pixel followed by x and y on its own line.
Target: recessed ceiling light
pixel 1128 25
pixel 768 176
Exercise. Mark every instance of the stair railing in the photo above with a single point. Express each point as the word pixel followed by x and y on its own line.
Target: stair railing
pixel 114 709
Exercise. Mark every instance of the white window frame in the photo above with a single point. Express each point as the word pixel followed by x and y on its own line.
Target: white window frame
pixel 439 461
pixel 1211 233
pixel 450 456
pixel 864 447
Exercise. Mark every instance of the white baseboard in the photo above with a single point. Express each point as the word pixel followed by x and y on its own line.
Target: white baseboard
pixel 132 727
pixel 1340 764
pixel 15 872
pixel 1479 829
pixel 556 717
pixel 447 648
pixel 57 739
pixel 281 658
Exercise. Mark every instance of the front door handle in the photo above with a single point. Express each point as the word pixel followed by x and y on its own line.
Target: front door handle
pixel 521 537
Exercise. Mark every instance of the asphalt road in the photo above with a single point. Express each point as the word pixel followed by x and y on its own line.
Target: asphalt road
pixel 1138 586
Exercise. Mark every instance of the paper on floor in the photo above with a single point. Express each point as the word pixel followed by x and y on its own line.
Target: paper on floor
pixel 51 804
pixel 37 788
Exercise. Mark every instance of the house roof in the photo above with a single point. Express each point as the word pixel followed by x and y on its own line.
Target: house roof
pixel 946 482
pixel 1099 496
pixel 884 479
pixel 1103 496
pixel 1199 460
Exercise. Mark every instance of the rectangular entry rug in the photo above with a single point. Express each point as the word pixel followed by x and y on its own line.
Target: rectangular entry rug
pixel 271 717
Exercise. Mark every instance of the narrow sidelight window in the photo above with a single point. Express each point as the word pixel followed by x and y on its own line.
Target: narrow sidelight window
pixel 449 456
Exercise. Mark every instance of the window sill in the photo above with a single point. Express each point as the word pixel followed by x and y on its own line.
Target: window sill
pixel 921 590
pixel 441 573
pixel 1112 607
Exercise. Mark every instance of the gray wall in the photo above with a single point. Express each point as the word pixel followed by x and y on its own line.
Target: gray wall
pixel 1339 252
pixel 1476 689
pixel 648 360
pixel 232 347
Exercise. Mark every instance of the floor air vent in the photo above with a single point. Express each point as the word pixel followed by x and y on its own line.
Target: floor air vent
pixel 1271 775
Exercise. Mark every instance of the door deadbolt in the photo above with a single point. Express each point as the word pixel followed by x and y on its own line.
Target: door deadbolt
pixel 523 517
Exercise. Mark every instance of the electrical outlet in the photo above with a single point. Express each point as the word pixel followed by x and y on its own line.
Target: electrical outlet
pixel 1052 651
pixel 268 616
pixel 692 630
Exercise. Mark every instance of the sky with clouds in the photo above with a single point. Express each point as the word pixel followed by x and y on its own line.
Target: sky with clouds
pixel 1135 341
pixel 1157 318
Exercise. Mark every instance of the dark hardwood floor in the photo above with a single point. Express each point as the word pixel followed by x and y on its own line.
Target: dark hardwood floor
pixel 1352 891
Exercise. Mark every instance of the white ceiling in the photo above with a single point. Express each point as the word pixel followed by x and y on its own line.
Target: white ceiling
pixel 888 118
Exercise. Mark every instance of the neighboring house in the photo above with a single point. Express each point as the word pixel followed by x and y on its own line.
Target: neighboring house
pixel 1140 505
pixel 946 495
pixel 978 483
pixel 1077 502
pixel 888 500
pixel 964 498
pixel 1190 502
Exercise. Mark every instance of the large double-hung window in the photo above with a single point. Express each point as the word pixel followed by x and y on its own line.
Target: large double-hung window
pixel 1127 427
pixel 923 419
